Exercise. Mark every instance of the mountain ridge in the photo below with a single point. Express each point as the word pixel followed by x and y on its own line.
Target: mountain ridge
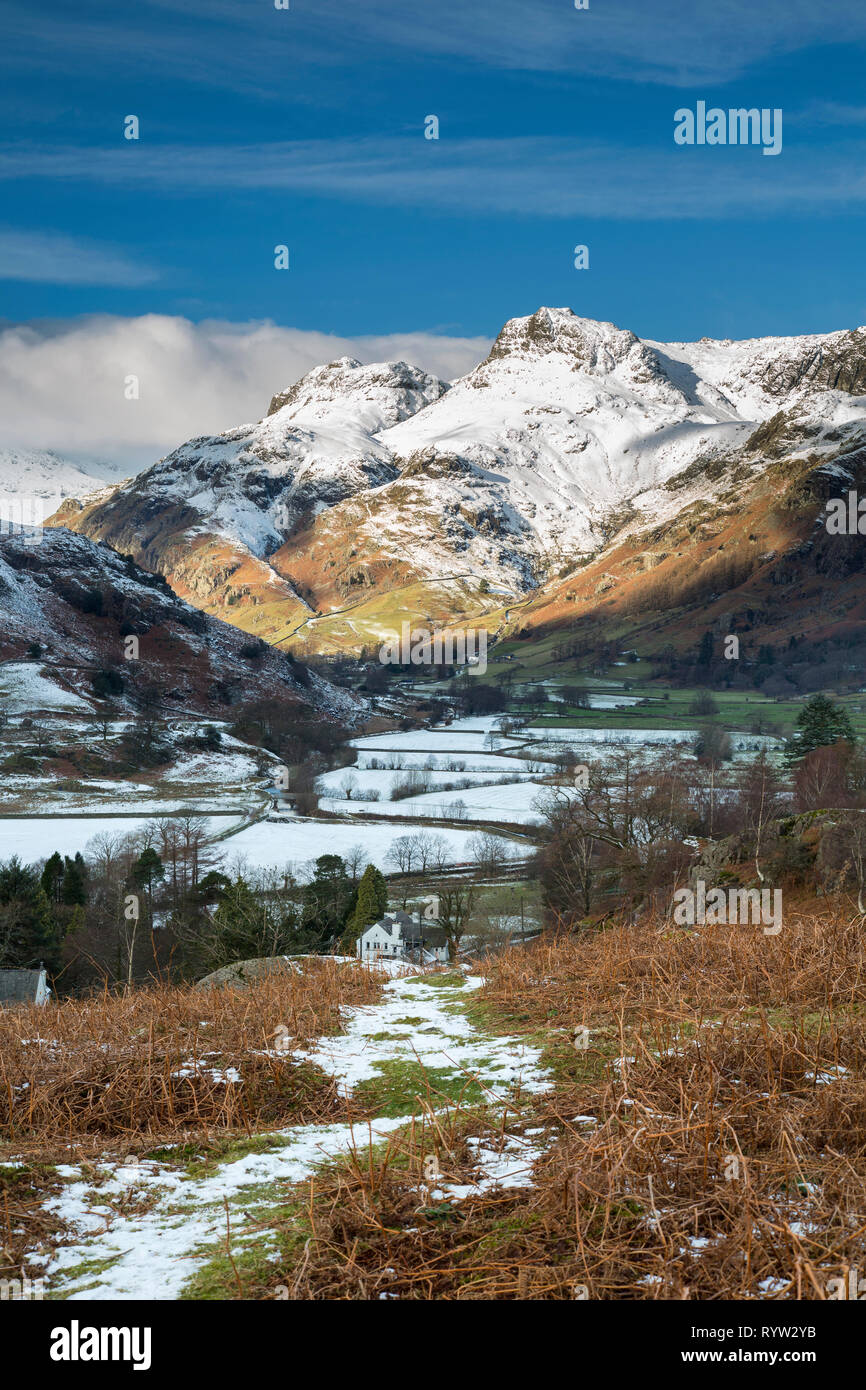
pixel 381 491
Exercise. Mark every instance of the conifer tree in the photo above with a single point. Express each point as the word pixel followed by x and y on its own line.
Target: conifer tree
pixel 819 724
pixel 28 933
pixel 72 889
pixel 371 904
pixel 52 877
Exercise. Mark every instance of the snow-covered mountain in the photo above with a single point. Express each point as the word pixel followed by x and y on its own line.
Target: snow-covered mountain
pixel 362 481
pixel 49 476
pixel 569 421
pixel 319 443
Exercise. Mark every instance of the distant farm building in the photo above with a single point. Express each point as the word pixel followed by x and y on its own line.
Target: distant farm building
pixel 23 987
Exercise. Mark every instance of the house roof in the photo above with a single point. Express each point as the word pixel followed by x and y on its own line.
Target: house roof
pixel 401 925
pixel 19 986
pixel 394 923
pixel 434 936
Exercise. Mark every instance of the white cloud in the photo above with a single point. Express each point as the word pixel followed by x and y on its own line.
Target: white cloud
pixel 62 387
pixel 60 260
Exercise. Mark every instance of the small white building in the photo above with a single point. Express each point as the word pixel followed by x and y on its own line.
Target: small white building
pixel 24 987
pixel 403 936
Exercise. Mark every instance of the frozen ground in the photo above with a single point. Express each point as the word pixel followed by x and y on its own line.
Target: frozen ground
pixel 37 837
pixel 444 740
pixel 209 769
pixel 539 735
pixel 468 760
pixel 382 780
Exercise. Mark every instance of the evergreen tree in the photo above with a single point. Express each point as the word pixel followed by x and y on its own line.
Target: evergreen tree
pixel 381 891
pixel 246 926
pixel 372 900
pixel 819 724
pixel 212 886
pixel 52 877
pixel 328 898
pixel 705 650
pixel 146 872
pixel 147 869
pixel 72 889
pixel 28 933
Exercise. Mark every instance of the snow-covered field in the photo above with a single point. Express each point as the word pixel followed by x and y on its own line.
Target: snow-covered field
pixel 451 739
pixel 272 844
pixel 382 780
pixel 37 837
pixel 511 802
pixel 208 769
pixel 455 762
pixel 587 735
pixel 612 701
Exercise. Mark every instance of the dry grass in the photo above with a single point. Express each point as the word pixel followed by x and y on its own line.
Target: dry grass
pixel 723 1155
pixel 119 1074
pixel 151 1067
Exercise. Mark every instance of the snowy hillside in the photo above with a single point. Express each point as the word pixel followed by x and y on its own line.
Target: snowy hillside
pixel 44 474
pixel 570 420
pixel 77 603
pixel 317 445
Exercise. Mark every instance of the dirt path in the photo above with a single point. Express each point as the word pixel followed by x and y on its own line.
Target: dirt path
pixel 145 1229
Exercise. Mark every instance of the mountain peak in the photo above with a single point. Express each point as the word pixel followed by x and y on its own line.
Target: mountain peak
pixel 591 344
pixel 396 389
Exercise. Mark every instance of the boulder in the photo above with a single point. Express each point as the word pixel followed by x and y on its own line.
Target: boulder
pixel 244 972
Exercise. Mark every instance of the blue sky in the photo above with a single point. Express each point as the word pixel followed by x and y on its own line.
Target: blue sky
pixel 262 126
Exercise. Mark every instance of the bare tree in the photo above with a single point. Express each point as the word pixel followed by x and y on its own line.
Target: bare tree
pixel 456 902
pixel 848 836
pixel 762 803
pixel 431 851
pixel 488 851
pixel 348 785
pixel 356 860
pixel 403 854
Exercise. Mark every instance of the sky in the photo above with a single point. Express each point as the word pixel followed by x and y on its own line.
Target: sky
pixel 304 127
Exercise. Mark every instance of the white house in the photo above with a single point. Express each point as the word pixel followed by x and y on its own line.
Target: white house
pixel 399 936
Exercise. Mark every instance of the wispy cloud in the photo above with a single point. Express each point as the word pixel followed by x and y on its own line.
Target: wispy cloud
pixel 61 260
pixel 62 384
pixel 820 114
pixel 547 177
pixel 238 46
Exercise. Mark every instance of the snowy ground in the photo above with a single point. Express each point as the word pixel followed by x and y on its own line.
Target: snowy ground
pixel 606 735
pixel 512 802
pixel 262 845
pixel 209 769
pixel 128 1248
pixel 36 837
pixel 445 740
pixel 454 762
pixel 272 844
pixel 381 780
pixel 24 690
